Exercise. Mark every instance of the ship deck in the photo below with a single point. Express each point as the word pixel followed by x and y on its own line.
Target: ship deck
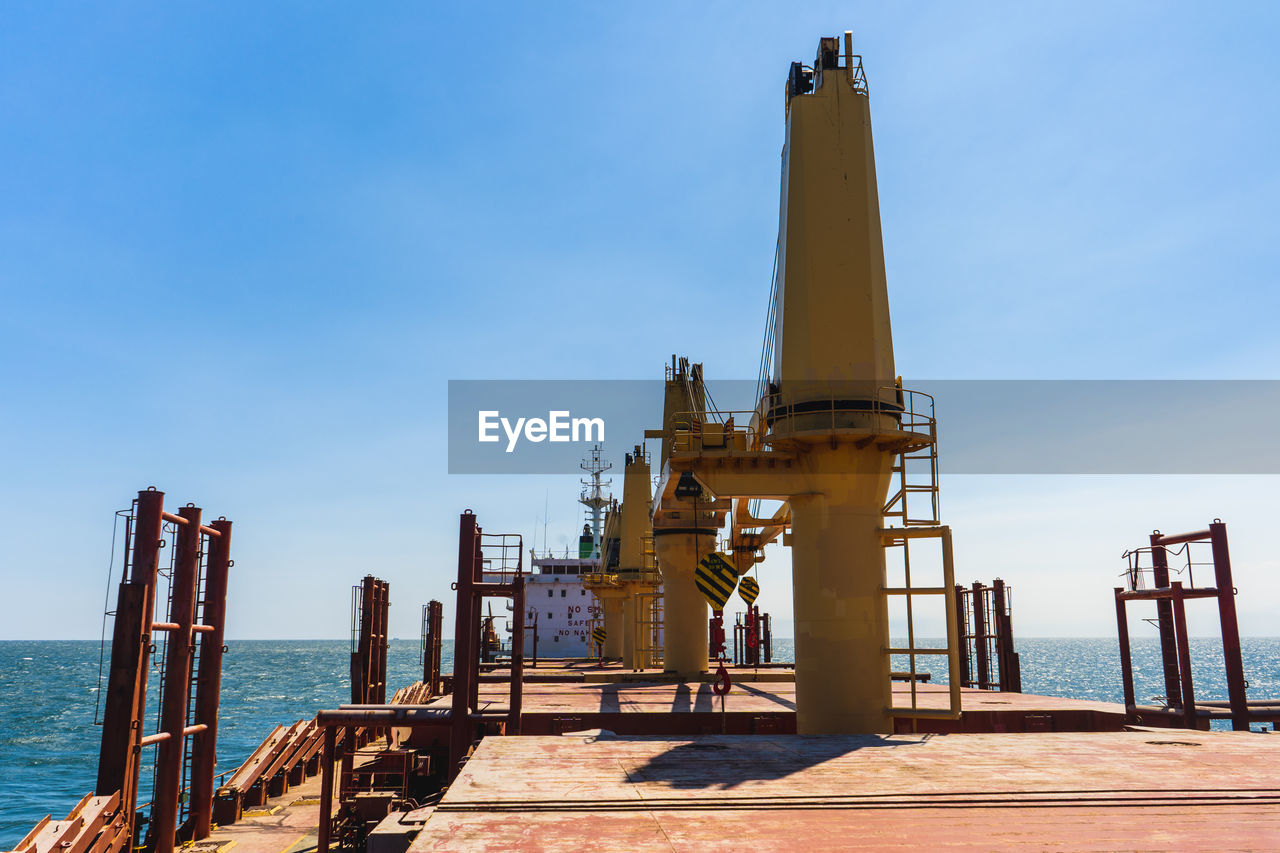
pixel 610 763
pixel 572 697
pixel 1081 791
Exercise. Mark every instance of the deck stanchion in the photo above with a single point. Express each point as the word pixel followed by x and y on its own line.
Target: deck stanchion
pixel 1184 655
pixel 1126 661
pixel 517 657
pixel 177 682
pixel 1230 627
pixel 1164 622
pixel 118 760
pixel 326 789
pixel 209 681
pixel 466 627
pixel 980 637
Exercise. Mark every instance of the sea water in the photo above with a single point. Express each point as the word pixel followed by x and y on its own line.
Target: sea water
pixel 50 696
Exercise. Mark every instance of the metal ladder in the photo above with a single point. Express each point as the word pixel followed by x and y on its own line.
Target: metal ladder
pixel 921 481
pixel 649 631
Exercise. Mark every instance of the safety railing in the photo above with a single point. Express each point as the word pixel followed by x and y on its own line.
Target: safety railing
pixel 890 409
pixel 916 467
pixel 501 556
pixel 1140 572
pixel 840 409
pixel 715 430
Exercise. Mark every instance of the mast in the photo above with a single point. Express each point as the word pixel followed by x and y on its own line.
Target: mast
pixel 593 496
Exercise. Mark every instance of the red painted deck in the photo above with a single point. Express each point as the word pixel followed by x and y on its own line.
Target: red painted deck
pixel 768 707
pixel 1081 791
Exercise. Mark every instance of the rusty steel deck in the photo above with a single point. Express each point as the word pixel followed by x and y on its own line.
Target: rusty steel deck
pixel 1081 791
pixel 570 701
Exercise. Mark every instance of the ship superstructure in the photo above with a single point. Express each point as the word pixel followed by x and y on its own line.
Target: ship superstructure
pixel 559 610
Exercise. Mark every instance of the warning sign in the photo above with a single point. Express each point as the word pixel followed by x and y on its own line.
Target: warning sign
pixel 715 579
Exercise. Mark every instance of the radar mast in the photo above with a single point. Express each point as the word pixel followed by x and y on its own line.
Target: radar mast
pixel 593 496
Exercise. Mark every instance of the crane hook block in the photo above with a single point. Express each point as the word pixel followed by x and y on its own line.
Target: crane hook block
pixel 722 683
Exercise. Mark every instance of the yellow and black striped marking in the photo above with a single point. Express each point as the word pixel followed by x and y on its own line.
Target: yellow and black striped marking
pixel 715 579
pixel 749 589
pixel 598 634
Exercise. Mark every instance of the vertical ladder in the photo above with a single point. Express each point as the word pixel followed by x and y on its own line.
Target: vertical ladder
pixel 901 537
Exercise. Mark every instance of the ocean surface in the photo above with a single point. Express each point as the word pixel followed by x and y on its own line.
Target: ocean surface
pixel 49 695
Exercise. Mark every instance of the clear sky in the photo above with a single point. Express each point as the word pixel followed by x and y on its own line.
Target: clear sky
pixel 244 246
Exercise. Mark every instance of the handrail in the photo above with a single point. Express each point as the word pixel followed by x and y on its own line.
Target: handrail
pixel 755 429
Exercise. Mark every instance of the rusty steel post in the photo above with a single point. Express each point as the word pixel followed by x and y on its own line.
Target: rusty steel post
pixel 768 638
pixel 426 646
pixel 980 637
pixel 1230 627
pixel 1184 656
pixel 477 616
pixel 1126 660
pixel 118 758
pixel 751 653
pixel 177 682
pixel 1164 621
pixel 326 789
pixel 435 612
pixel 962 636
pixel 517 658
pixel 997 622
pixel 209 681
pixel 1010 678
pixel 360 656
pixel 375 644
pixel 466 629
pixel 383 612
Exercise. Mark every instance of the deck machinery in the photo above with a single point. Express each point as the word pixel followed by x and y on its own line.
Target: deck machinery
pixel 832 420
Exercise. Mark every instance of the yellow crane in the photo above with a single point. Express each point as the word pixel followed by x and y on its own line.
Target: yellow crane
pixel 825 436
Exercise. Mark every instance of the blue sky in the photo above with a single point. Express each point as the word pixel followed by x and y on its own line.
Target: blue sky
pixel 243 247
